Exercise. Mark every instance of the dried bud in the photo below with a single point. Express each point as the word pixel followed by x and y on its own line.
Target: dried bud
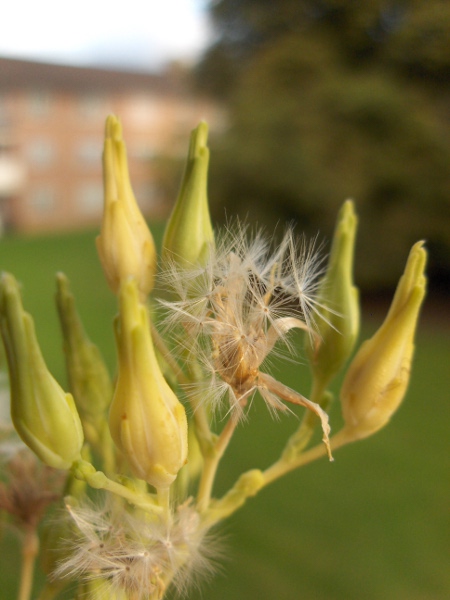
pixel 125 244
pixel 147 422
pixel 44 416
pixel 378 376
pixel 189 233
pixel 339 323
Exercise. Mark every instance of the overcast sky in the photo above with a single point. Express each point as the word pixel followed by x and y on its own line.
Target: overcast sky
pixel 129 33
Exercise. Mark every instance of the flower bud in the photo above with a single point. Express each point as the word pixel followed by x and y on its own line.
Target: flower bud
pixel 378 376
pixel 189 233
pixel 147 422
pixel 89 379
pixel 338 298
pixel 125 244
pixel 44 416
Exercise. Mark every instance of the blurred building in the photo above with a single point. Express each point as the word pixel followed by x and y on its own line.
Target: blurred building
pixel 51 134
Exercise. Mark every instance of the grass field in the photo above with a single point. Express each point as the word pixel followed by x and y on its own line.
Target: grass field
pixel 372 525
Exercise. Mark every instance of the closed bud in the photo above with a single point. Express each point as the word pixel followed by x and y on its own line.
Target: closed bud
pixel 147 421
pixel 339 304
pixel 125 244
pixel 44 416
pixel 378 376
pixel 189 233
pixel 89 379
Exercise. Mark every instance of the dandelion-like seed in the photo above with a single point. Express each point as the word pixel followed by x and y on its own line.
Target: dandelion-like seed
pixel 133 553
pixel 237 307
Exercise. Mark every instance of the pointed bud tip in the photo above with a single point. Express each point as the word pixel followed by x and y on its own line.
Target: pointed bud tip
pixel 62 281
pixel 199 140
pixel 113 128
pixel 417 260
pixel 347 218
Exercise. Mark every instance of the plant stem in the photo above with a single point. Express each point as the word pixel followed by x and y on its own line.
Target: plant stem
pixel 30 549
pixel 160 344
pixel 212 462
pixel 164 501
pixel 281 466
pixel 84 471
pixel 251 482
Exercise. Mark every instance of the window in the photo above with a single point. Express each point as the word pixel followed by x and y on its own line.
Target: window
pixel 90 198
pixel 143 151
pixel 42 200
pixel 39 104
pixel 93 107
pixel 4 113
pixel 40 152
pixel 147 196
pixel 89 152
pixel 143 111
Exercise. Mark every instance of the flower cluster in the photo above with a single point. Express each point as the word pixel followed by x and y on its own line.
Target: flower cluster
pixel 138 453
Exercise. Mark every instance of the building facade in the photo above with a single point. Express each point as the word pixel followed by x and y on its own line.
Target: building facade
pixel 51 134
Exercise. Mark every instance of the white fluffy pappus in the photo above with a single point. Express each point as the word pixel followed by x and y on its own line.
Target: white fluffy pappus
pixel 229 313
pixel 134 554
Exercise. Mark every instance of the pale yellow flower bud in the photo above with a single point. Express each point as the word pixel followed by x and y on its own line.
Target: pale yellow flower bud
pixel 147 421
pixel 125 244
pixel 338 298
pixel 189 232
pixel 44 416
pixel 378 376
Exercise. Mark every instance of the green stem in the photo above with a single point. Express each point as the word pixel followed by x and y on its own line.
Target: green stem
pixel 30 549
pixel 84 471
pixel 206 438
pixel 160 344
pixel 251 482
pixel 163 495
pixel 212 462
pixel 283 466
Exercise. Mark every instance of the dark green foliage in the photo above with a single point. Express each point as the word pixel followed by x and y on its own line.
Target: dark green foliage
pixel 333 99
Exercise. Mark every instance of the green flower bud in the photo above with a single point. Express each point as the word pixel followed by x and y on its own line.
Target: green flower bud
pixel 189 232
pixel 147 421
pixel 125 244
pixel 44 416
pixel 338 297
pixel 89 379
pixel 378 376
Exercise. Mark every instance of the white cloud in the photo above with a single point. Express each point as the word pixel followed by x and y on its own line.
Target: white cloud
pixel 134 32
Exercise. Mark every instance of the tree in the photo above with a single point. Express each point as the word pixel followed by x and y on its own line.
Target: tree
pixel 322 106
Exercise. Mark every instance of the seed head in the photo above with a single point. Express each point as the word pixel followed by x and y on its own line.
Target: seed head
pixel 231 312
pixel 133 554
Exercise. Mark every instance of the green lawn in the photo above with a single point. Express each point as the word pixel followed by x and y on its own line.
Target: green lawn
pixel 372 525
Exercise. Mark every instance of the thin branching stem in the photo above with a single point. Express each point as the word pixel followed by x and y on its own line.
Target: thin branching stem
pixel 239 493
pixel 161 345
pixel 30 549
pixel 84 471
pixel 212 463
pixel 282 466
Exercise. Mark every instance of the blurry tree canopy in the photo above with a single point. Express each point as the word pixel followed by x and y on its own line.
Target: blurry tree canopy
pixel 330 99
